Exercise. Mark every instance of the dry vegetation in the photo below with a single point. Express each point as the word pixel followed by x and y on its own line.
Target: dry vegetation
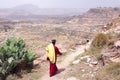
pixel 109 72
pixel 103 48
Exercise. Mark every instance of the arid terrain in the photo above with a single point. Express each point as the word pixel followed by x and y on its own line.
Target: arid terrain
pixel 71 33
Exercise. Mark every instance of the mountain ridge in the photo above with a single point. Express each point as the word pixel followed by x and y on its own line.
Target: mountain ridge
pixel 29 9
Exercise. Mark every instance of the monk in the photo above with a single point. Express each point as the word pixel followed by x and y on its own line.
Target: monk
pixel 51 52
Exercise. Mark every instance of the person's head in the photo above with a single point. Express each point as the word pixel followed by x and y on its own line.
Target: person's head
pixel 53 41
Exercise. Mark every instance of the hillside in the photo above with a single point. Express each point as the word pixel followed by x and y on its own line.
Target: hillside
pixel 71 34
pixel 96 18
pixel 79 28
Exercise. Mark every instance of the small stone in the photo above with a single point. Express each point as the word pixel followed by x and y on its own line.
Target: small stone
pixel 94 62
pixel 83 70
pixel 72 78
pixel 85 57
pixel 90 72
pixel 88 60
pixel 76 61
pixel 92 75
pixel 117 43
pixel 90 65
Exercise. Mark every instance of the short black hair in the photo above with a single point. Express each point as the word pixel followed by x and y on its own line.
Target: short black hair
pixel 54 41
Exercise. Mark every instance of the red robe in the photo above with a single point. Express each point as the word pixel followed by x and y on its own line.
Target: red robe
pixel 53 67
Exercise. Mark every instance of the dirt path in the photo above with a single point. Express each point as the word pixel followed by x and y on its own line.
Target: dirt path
pixel 63 65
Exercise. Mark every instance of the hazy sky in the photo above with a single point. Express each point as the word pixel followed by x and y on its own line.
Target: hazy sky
pixel 61 3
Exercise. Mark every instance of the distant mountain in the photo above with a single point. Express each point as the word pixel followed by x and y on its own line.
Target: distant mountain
pixel 100 15
pixel 27 7
pixel 28 10
pixel 103 12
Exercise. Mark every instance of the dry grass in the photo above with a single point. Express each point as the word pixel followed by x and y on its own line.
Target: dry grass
pixel 39 36
pixel 110 72
pixel 100 40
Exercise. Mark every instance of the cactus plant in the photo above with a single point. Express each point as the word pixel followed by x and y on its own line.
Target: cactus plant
pixel 12 54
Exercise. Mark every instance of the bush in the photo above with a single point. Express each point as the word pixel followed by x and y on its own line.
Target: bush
pixel 96 52
pixel 100 40
pixel 12 56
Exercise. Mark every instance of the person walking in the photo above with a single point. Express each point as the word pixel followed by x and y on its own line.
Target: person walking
pixel 51 52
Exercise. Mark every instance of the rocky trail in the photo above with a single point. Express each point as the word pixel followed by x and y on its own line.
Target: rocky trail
pixel 64 64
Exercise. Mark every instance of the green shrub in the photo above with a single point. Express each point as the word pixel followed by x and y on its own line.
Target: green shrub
pixel 29 57
pixel 12 56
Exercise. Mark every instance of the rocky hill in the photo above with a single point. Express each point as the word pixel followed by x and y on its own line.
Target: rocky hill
pixel 103 12
pixel 95 18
